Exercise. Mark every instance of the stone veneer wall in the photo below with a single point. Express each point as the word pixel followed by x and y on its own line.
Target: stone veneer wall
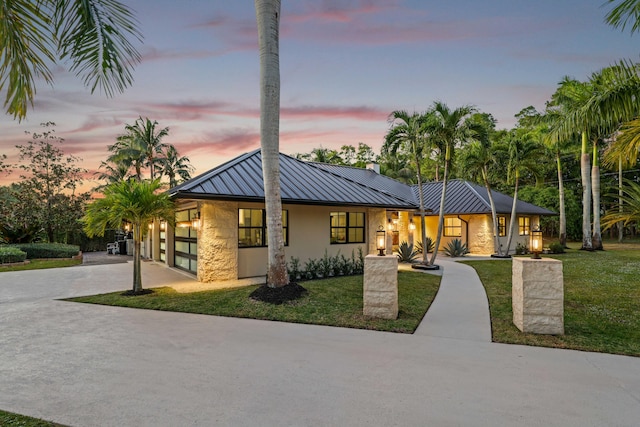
pixel 380 286
pixel 218 242
pixel 538 295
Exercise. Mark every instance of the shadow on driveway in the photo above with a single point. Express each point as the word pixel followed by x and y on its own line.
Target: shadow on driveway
pixel 101 258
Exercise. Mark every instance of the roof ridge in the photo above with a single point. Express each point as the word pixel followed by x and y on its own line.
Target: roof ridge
pixel 215 171
pixel 469 184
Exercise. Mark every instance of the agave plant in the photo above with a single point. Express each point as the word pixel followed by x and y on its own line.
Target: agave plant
pixel 456 248
pixel 430 245
pixel 406 253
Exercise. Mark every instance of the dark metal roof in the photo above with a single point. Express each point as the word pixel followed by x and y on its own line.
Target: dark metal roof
pixel 323 184
pixel 300 182
pixel 464 197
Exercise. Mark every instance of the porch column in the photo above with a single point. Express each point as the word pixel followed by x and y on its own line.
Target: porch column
pixel 218 242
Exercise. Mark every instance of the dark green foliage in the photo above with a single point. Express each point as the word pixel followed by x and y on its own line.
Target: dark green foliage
pixel 406 253
pixel 556 248
pixel 325 267
pixel 521 249
pixel 547 197
pixel 430 245
pixel 9 254
pixel 456 248
pixel 48 250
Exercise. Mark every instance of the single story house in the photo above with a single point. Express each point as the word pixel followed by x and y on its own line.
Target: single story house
pixel 220 230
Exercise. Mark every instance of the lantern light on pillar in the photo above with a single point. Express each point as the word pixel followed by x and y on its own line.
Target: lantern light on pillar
pixel 535 242
pixel 381 241
pixel 412 226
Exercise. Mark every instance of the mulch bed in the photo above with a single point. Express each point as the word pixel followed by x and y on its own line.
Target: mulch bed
pixel 132 293
pixel 280 295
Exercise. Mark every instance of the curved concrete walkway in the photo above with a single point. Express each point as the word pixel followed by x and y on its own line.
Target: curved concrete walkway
pixel 88 365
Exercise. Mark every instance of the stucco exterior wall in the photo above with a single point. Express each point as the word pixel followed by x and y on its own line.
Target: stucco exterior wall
pixel 309 237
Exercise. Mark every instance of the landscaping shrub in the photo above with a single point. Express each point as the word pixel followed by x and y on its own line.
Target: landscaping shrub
pixel 9 254
pixel 430 245
pixel 48 250
pixel 556 248
pixel 406 253
pixel 456 248
pixel 521 249
pixel 325 267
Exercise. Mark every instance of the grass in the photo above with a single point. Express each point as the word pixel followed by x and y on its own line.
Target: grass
pixel 9 419
pixel 333 302
pixel 40 264
pixel 602 297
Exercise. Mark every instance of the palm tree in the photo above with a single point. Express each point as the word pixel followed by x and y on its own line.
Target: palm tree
pixel 172 165
pixel 524 156
pixel 268 19
pixel 148 139
pixel 625 11
pixel 131 201
pixel 477 160
pixel 127 154
pixel 628 210
pixel 446 128
pixel 90 34
pixel 409 132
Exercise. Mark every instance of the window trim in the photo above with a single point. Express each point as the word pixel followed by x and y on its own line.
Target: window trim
pixel 447 228
pixel 263 227
pixel 348 227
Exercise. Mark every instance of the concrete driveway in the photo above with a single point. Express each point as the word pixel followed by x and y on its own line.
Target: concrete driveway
pixel 88 365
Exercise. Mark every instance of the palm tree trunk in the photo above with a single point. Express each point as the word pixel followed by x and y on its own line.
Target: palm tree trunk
pixel 443 196
pixel 563 214
pixel 512 220
pixel 596 239
pixel 586 196
pixel 620 208
pixel 423 230
pixel 494 216
pixel 268 19
pixel 137 273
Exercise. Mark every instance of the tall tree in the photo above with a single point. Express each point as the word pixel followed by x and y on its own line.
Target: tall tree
pixel 147 138
pixel 137 202
pixel 477 160
pixel 90 34
pixel 175 167
pixel 53 178
pixel 409 132
pixel 624 12
pixel 446 128
pixel 268 20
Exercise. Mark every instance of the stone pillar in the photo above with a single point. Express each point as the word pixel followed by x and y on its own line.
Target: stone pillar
pixel 380 286
pixel 376 218
pixel 218 242
pixel 538 295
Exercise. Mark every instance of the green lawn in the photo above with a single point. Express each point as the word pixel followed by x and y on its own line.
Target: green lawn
pixel 40 264
pixel 602 301
pixel 9 419
pixel 334 302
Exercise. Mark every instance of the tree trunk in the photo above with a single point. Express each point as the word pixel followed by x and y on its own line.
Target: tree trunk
pixel 443 196
pixel 423 230
pixel 268 19
pixel 494 216
pixel 620 208
pixel 596 238
pixel 586 196
pixel 563 214
pixel 512 220
pixel 137 273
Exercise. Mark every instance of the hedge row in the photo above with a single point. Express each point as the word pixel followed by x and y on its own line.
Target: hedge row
pixel 48 250
pixel 9 254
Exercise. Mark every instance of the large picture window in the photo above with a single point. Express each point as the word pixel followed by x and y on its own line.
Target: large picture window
pixel 185 241
pixel 252 228
pixel 524 225
pixel 452 227
pixel 347 227
pixel 502 226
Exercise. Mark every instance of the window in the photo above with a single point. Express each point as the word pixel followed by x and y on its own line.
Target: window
pixel 186 241
pixel 347 227
pixel 502 226
pixel 252 228
pixel 524 225
pixel 452 227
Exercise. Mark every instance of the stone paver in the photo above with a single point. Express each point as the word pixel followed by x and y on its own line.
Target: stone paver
pixel 86 365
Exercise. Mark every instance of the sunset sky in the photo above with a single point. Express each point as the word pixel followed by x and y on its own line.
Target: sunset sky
pixel 345 65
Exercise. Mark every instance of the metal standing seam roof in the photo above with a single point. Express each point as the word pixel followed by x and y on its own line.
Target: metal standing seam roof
pixel 464 197
pixel 300 182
